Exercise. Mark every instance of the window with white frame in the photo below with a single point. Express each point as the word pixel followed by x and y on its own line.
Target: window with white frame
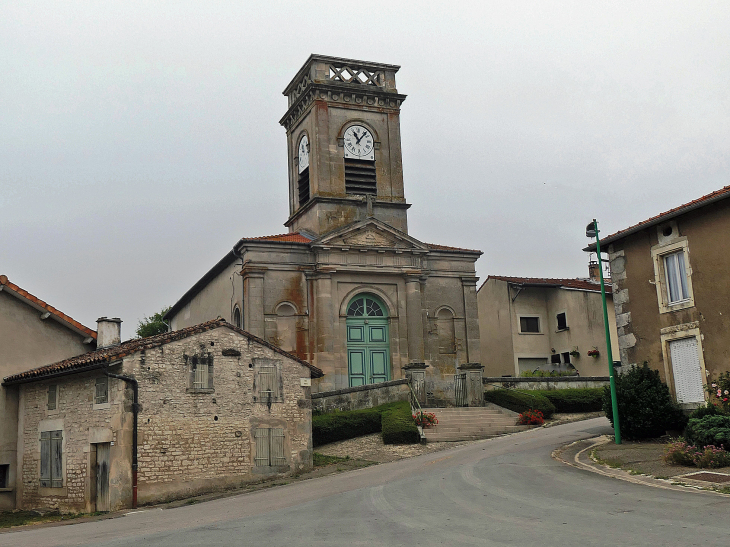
pixel 52 459
pixel 269 446
pixel 676 278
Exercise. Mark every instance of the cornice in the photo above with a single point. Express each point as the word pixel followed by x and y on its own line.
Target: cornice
pixel 351 201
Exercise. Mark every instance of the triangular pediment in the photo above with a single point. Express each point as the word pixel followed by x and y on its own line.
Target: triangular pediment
pixel 370 233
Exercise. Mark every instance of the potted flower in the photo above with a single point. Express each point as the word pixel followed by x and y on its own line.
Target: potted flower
pixel 594 352
pixel 425 419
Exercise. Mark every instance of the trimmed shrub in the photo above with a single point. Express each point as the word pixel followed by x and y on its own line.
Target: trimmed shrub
pixel 520 401
pixel 347 424
pixel 709 430
pixel 398 425
pixel 709 410
pixel 645 407
pixel 574 400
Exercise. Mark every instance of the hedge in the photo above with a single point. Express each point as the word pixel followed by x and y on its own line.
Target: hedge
pixel 709 430
pixel 399 427
pixel 341 425
pixel 520 400
pixel 574 400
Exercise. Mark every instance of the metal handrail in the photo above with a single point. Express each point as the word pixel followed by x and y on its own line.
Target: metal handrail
pixel 414 399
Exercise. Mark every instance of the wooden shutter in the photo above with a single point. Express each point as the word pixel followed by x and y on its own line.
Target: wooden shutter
pixel 46 459
pixel 267 382
pixel 210 372
pixel 102 390
pixel 52 396
pixel 262 446
pixel 56 460
pixel 277 446
pixel 191 380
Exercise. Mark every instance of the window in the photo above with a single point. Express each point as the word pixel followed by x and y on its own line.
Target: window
pixel 562 322
pixel 52 396
pixel 566 357
pixel 101 394
pixel 267 384
pixel 303 187
pixel 676 278
pixel 51 459
pixel 529 324
pixel 201 373
pixel 4 472
pixel 360 177
pixel 555 359
pixel 237 317
pixel 269 446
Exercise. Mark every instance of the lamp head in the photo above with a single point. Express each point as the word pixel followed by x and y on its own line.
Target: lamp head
pixel 591 230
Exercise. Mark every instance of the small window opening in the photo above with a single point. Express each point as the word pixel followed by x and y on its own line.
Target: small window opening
pixel 555 359
pixel 562 322
pixel 530 324
pixel 237 317
pixel 667 231
pixel 566 358
pixel 360 177
pixel 4 472
pixel 303 187
pixel 101 394
pixel 52 396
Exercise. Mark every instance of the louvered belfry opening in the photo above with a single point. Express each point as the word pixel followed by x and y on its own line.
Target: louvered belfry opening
pixel 360 177
pixel 303 186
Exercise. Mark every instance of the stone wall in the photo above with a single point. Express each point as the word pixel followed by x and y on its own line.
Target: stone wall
pixel 354 398
pixel 558 382
pixel 189 441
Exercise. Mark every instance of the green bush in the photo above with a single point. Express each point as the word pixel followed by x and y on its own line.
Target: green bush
pixel 341 425
pixel 645 407
pixel 574 400
pixel 399 427
pixel 709 430
pixel 709 410
pixel 520 400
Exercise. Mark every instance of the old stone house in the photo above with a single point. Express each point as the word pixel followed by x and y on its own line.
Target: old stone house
pixel 32 333
pixel 529 324
pixel 671 293
pixel 348 288
pixel 216 406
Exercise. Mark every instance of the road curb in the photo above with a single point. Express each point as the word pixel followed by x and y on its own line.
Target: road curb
pixel 577 454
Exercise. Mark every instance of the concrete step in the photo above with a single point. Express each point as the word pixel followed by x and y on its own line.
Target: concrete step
pixel 460 424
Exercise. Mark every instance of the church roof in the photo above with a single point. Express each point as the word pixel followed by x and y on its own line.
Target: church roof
pixel 294 237
pixel 104 356
pixel 6 284
pixel 576 284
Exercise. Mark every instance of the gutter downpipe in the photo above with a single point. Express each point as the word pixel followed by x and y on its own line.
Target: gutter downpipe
pixel 135 411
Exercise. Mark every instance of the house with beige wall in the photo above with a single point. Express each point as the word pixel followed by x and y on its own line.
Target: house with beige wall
pixel 529 324
pixel 672 296
pixel 32 333
pixel 151 419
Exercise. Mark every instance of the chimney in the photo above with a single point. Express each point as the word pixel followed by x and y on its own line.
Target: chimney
pixel 593 271
pixel 108 332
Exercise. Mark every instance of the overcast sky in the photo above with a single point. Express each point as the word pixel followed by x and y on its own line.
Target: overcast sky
pixel 140 140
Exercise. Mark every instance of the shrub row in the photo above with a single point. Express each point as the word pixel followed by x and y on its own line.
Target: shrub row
pixel 398 425
pixel 520 400
pixel 348 424
pixel 574 400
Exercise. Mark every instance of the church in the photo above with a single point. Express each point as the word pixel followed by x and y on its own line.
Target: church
pixel 347 288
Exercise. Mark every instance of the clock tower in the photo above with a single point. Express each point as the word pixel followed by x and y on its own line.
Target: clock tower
pixel 343 144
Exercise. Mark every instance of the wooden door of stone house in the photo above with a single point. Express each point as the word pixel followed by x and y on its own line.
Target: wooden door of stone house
pixel 368 342
pixel 101 472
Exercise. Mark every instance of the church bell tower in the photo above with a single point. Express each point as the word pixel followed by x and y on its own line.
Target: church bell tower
pixel 343 142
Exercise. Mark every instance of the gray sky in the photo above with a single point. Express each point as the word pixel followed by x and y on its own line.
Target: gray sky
pixel 140 140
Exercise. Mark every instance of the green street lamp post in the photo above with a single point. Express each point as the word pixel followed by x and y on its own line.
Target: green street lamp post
pixel 592 231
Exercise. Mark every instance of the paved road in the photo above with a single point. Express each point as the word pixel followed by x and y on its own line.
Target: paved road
pixel 504 491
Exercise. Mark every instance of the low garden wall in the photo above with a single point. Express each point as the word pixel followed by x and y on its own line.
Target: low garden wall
pixel 355 398
pixel 556 382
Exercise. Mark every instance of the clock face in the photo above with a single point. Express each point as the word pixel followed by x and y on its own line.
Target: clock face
pixel 359 143
pixel 303 153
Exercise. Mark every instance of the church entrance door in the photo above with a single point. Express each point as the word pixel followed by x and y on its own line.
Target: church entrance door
pixel 368 343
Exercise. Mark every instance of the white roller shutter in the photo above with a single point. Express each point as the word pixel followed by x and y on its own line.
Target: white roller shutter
pixel 687 370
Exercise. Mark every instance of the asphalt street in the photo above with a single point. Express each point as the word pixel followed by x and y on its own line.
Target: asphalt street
pixel 503 491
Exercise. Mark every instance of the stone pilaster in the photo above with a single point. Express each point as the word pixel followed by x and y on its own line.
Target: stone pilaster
pixel 414 313
pixel 253 300
pixel 471 319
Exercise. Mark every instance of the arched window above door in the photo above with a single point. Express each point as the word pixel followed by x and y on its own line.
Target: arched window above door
pixel 365 306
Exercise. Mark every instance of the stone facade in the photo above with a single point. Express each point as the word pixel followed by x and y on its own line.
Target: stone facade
pixel 559 382
pixel 694 323
pixel 189 439
pixel 32 333
pixel 348 239
pixel 355 398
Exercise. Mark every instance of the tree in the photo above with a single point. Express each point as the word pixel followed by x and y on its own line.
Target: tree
pixel 149 326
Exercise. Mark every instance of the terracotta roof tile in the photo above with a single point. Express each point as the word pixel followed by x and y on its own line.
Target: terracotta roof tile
pixel 579 284
pixel 294 237
pixel 5 282
pixel 98 358
pixel 722 193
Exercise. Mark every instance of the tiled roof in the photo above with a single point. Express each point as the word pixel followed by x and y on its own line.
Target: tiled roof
pixel 578 284
pixel 294 237
pixel 5 282
pixel 712 197
pixel 447 248
pixel 98 358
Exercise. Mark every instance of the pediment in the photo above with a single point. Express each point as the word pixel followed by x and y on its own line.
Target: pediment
pixel 370 233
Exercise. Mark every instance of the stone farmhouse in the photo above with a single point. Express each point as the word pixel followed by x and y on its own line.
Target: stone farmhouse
pixel 32 333
pixel 150 419
pixel 347 288
pixel 671 295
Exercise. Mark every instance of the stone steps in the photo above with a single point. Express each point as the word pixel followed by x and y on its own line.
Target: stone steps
pixel 462 424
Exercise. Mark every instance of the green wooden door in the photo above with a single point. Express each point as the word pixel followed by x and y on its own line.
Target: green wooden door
pixel 368 344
